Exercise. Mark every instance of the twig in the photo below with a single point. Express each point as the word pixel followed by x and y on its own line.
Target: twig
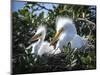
pixel 90 22
pixel 44 7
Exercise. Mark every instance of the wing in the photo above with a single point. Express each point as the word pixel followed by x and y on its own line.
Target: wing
pixel 77 42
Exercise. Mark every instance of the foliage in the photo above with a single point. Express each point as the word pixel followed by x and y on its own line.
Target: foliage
pixel 24 24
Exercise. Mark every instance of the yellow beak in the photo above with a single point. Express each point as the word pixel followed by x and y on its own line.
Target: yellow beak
pixel 56 37
pixel 35 37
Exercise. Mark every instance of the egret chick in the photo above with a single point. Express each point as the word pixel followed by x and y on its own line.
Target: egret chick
pixel 40 36
pixel 41 47
pixel 65 31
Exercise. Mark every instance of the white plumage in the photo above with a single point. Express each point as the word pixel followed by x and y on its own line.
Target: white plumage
pixel 40 35
pixel 78 42
pixel 41 47
pixel 47 49
pixel 65 33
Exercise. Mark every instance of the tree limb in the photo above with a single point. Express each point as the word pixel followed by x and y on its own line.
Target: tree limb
pixel 90 22
pixel 44 7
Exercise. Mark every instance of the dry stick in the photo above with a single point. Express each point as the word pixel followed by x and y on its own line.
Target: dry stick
pixel 88 21
pixel 83 19
pixel 70 53
pixel 55 51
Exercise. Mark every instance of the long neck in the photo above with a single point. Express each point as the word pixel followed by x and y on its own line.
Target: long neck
pixel 38 44
pixel 40 41
pixel 65 38
pixel 71 30
pixel 43 36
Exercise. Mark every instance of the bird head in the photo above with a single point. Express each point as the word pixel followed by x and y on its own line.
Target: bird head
pixel 40 34
pixel 63 25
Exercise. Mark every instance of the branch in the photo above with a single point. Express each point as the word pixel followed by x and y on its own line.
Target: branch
pixel 44 7
pixel 90 22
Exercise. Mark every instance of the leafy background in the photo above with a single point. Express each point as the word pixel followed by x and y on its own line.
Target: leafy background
pixel 24 24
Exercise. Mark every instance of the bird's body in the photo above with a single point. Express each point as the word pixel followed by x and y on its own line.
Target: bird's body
pixel 78 42
pixel 64 40
pixel 36 46
pixel 43 48
pixel 47 49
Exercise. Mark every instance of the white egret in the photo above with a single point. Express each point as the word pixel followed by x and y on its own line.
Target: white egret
pixel 40 36
pixel 65 31
pixel 41 47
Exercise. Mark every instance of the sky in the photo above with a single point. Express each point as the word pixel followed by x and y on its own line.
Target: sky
pixel 16 5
